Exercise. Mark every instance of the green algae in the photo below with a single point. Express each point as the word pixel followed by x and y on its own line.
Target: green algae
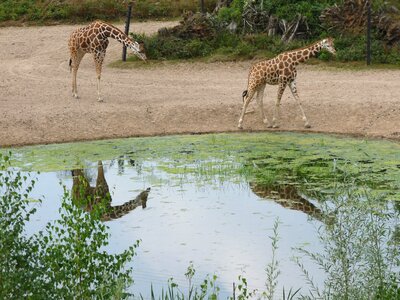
pixel 313 161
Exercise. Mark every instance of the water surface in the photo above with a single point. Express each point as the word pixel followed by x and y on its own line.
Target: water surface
pixel 214 198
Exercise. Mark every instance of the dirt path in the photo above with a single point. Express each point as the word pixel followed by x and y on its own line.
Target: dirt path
pixel 36 104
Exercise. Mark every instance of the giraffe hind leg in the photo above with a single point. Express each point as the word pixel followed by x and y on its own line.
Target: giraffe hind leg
pixel 75 60
pixel 247 96
pixel 98 60
pixel 259 98
pixel 297 98
pixel 277 111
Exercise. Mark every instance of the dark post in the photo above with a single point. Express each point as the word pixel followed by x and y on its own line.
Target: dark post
pixel 369 32
pixel 202 6
pixel 127 23
pixel 234 291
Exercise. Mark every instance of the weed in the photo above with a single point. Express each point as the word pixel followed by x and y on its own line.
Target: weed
pixel 360 256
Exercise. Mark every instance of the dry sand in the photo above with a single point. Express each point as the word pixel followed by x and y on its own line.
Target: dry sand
pixel 36 106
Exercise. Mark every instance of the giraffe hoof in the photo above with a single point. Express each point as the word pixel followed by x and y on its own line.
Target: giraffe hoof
pixel 265 121
pixel 275 126
pixel 307 126
pixel 240 126
pixel 100 100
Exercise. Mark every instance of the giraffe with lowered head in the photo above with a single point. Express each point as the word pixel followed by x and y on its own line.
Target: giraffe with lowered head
pixel 280 70
pixel 93 38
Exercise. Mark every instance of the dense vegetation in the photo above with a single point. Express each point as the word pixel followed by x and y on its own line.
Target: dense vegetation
pixel 260 28
pixel 87 10
pixel 264 29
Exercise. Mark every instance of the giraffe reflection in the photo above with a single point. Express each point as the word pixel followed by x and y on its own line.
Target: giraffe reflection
pixel 288 197
pixel 89 197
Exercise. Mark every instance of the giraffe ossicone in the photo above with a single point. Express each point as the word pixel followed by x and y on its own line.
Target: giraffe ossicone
pixel 281 71
pixel 93 38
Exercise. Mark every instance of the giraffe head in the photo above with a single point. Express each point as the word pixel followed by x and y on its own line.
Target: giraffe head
pixel 327 44
pixel 138 50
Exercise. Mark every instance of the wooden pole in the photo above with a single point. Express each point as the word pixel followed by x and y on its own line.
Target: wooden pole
pixel 202 7
pixel 127 23
pixel 369 32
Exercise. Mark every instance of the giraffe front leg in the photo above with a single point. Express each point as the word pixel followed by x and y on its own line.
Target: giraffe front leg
pixel 297 98
pixel 246 101
pixel 277 110
pixel 74 85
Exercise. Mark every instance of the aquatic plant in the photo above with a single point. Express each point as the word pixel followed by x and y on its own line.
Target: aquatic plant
pixel 311 160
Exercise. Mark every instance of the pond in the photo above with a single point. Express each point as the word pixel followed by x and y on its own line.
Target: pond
pixel 213 199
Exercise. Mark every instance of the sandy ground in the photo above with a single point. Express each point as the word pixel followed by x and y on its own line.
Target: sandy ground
pixel 36 106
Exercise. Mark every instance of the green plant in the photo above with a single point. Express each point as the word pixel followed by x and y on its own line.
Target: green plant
pixel 359 256
pixel 65 259
pixel 208 289
pixel 241 290
pixel 272 270
pixel 18 257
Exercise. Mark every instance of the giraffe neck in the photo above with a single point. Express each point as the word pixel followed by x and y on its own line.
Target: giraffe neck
pixel 303 54
pixel 115 33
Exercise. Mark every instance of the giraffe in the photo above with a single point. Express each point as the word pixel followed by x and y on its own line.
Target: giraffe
pixel 280 70
pixel 289 197
pixel 89 197
pixel 93 38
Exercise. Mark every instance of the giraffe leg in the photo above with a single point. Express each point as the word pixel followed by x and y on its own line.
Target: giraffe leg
pixel 76 60
pixel 246 102
pixel 277 111
pixel 297 98
pixel 98 60
pixel 259 98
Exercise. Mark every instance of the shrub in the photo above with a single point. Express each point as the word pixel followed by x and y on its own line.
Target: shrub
pixel 63 260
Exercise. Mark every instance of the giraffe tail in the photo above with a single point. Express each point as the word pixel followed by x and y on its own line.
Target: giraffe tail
pixel 70 64
pixel 244 94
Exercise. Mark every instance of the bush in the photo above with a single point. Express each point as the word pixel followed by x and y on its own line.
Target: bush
pixel 65 259
pixel 88 10
pixel 353 48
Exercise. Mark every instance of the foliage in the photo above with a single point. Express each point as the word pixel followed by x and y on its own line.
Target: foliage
pixel 72 10
pixel 352 48
pixel 66 259
pixel 145 9
pixel 272 270
pixel 226 45
pixel 282 10
pixel 88 10
pixel 208 289
pixel 17 256
pixel 359 256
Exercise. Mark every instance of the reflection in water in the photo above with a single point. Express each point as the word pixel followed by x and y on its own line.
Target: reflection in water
pixel 287 196
pixel 89 197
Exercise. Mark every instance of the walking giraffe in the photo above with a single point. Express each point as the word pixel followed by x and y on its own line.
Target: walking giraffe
pixel 280 70
pixel 93 38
